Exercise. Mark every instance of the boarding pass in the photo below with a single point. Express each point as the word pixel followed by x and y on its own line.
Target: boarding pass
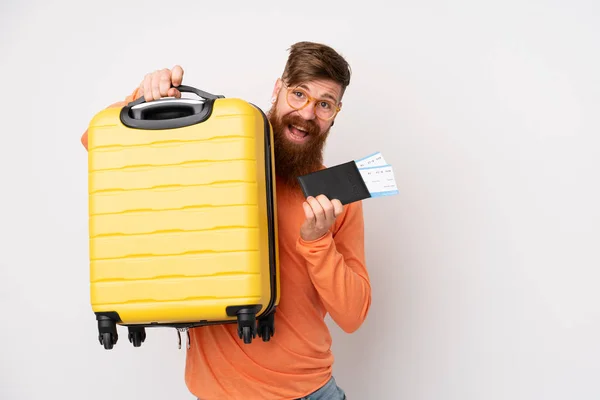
pixel 378 175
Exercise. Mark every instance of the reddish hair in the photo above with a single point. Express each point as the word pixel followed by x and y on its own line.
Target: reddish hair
pixel 308 61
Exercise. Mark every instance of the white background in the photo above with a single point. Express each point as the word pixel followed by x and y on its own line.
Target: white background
pixel 485 269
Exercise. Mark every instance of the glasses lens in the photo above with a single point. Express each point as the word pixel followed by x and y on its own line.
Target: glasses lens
pixel 297 98
pixel 325 109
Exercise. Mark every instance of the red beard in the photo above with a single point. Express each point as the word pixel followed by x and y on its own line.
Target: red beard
pixel 295 159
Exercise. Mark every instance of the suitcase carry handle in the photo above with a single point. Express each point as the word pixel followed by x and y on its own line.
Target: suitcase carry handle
pixel 169 113
pixel 186 89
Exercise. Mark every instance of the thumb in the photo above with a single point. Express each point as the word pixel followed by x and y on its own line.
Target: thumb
pixel 177 75
pixel 338 208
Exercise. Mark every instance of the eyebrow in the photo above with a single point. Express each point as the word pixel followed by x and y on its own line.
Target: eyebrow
pixel 326 95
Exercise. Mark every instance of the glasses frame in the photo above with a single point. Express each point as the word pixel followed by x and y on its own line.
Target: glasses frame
pixel 309 100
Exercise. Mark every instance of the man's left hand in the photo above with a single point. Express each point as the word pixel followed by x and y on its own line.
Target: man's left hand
pixel 320 213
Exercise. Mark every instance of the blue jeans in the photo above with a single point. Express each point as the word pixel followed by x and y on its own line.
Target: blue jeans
pixel 330 391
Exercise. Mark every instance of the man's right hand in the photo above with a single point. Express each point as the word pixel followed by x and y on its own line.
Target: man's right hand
pixel 161 83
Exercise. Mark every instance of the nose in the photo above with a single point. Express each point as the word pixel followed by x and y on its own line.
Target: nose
pixel 308 112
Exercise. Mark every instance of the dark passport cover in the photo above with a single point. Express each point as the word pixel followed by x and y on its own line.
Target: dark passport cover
pixel 342 182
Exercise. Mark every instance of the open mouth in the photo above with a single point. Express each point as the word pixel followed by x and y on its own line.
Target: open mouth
pixel 296 133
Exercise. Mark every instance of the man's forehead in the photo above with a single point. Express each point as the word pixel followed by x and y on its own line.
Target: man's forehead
pixel 323 89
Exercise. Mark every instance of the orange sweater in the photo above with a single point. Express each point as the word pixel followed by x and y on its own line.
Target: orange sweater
pixel 327 275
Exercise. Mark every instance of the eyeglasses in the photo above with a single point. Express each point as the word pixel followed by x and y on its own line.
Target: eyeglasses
pixel 297 98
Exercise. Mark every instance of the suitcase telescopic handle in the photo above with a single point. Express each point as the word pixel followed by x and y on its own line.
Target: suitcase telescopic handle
pixel 169 113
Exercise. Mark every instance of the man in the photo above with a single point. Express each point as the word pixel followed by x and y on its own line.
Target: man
pixel 321 246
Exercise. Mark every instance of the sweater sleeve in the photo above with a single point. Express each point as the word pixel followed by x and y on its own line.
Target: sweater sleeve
pixel 337 268
pixel 133 96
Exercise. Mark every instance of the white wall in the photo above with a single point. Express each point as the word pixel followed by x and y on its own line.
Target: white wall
pixel 486 281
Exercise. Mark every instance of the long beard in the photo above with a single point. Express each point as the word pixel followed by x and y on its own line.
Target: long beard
pixel 294 159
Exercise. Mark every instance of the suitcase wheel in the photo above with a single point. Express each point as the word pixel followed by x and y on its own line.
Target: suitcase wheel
pixel 108 340
pixel 266 327
pixel 107 331
pixel 137 336
pixel 247 334
pixel 246 325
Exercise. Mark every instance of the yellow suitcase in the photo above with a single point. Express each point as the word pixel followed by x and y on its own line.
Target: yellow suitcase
pixel 182 217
